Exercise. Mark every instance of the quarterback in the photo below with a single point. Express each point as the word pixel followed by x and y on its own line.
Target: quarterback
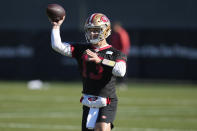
pixel 99 65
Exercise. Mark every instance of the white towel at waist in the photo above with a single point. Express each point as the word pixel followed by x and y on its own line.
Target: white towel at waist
pixel 92 117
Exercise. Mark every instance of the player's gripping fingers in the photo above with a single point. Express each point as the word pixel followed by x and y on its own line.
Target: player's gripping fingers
pixel 57 24
pixel 61 21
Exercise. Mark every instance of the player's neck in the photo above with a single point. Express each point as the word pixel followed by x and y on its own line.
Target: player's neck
pixel 101 44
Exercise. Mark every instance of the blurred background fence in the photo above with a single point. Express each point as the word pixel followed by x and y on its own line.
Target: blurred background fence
pixel 163 38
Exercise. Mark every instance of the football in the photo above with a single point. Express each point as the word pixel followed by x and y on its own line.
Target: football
pixel 55 12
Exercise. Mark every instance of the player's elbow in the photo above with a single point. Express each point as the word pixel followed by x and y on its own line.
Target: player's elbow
pixel 122 74
pixel 55 47
pixel 119 73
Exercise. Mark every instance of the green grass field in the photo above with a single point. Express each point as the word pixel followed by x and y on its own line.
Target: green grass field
pixel 143 107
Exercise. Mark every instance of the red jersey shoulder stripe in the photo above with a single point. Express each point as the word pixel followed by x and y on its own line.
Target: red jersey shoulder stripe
pixel 72 50
pixel 120 60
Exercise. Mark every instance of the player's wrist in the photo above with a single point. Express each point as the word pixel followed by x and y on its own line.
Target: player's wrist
pixel 99 61
pixel 109 63
pixel 56 27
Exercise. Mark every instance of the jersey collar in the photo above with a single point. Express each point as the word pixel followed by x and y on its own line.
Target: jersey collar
pixel 102 48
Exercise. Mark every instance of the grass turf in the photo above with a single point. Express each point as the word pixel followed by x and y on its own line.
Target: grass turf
pixel 142 107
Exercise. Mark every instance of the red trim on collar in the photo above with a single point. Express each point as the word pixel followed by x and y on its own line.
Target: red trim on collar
pixel 100 49
pixel 106 47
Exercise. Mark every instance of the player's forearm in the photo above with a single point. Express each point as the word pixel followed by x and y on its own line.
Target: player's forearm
pixel 57 45
pixel 119 69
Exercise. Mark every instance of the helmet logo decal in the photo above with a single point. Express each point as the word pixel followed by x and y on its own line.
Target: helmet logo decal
pixel 104 19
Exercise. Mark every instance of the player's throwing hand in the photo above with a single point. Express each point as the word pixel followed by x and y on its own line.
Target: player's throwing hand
pixel 58 23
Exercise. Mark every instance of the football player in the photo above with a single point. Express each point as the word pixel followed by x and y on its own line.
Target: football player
pixel 99 65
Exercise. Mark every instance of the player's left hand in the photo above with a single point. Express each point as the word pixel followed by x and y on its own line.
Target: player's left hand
pixel 93 56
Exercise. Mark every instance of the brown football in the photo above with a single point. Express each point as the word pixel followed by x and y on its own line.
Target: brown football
pixel 55 12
